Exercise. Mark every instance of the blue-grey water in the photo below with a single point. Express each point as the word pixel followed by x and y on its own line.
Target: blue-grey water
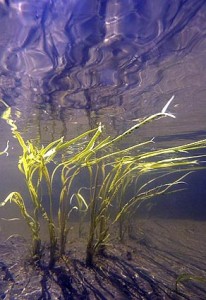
pixel 67 65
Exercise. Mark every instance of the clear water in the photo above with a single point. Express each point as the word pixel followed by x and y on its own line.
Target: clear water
pixel 67 65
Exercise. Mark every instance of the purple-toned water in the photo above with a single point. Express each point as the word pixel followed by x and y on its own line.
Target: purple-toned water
pixel 66 65
pixel 126 55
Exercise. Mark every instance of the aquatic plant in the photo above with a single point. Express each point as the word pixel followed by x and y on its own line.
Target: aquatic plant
pixel 5 151
pixel 70 168
pixel 188 277
pixel 33 164
pixel 112 172
pixel 107 202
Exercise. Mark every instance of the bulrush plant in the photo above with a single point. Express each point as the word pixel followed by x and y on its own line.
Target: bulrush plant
pixel 112 175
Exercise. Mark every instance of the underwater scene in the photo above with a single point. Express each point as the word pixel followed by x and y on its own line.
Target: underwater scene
pixel 102 149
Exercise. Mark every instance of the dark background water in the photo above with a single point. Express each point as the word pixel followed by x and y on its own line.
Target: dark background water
pixel 66 65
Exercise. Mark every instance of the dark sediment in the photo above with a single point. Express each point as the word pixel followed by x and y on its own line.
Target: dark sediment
pixel 146 266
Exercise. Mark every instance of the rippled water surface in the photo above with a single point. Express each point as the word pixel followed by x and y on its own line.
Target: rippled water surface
pixel 114 60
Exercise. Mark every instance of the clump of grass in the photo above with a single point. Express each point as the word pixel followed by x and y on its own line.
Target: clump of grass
pixel 111 172
pixel 107 203
pixel 33 164
pixel 114 173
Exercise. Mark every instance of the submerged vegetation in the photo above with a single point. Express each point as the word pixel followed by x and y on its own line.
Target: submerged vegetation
pixel 117 183
pixel 5 150
pixel 188 277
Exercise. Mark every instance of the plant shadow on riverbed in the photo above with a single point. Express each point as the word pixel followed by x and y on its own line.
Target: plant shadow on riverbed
pixel 145 267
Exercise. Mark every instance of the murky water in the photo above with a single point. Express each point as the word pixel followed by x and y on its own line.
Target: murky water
pixel 65 66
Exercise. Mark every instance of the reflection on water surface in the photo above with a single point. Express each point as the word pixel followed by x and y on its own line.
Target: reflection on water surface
pixel 126 55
